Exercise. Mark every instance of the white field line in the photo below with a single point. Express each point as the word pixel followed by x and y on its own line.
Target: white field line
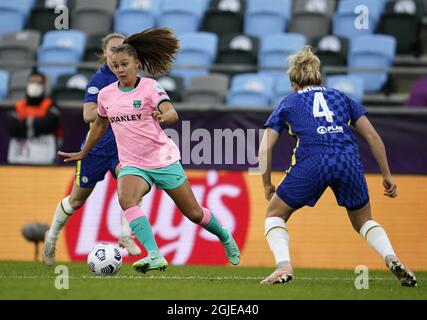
pixel 217 278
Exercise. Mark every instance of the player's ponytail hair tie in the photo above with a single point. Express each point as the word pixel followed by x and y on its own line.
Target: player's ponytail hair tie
pixel 155 48
pixel 304 68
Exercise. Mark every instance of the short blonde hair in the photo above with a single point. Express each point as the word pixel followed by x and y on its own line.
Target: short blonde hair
pixel 304 68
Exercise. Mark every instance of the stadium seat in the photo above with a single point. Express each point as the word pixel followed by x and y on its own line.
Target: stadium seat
pixel 108 5
pixel 18 84
pixel 94 16
pixel 276 48
pixel 20 46
pixel 198 52
pixel 181 16
pixel 312 18
pixel 331 50
pixel 238 49
pixel 42 19
pixel 250 90
pixel 62 46
pixel 134 16
pixel 212 88
pixel 351 85
pixel 402 19
pixel 266 17
pixel 74 40
pixel 174 86
pixel 4 84
pixel 348 15
pixel 93 47
pixel 224 17
pixel 282 88
pixel 13 15
pixel 326 7
pixel 22 5
pixel 70 87
pixel 372 51
pixel 52 4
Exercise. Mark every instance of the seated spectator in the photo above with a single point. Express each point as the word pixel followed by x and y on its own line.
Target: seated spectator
pixel 418 96
pixel 33 124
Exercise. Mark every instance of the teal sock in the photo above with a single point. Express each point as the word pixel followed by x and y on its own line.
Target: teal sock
pixel 141 228
pixel 214 227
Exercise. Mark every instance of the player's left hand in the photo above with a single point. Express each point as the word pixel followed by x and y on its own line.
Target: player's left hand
pixel 158 116
pixel 269 191
pixel 390 188
pixel 73 156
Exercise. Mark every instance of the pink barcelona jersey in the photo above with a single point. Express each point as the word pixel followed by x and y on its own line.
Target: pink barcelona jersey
pixel 141 141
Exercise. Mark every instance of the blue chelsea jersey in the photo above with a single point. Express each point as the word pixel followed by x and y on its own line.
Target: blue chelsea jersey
pixel 106 146
pixel 320 118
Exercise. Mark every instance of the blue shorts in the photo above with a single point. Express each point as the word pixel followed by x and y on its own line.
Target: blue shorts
pixel 93 169
pixel 309 178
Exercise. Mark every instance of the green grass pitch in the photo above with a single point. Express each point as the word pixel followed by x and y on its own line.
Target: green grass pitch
pixel 31 280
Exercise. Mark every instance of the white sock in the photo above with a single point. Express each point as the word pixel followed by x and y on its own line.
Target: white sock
pixel 63 212
pixel 377 238
pixel 277 237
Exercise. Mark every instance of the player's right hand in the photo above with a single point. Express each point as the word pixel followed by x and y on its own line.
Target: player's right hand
pixel 72 156
pixel 390 187
pixel 269 191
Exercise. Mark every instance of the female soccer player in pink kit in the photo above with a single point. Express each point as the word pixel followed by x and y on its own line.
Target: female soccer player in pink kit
pixel 135 107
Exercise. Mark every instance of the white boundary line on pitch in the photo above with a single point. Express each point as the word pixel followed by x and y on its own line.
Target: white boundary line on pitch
pixel 219 278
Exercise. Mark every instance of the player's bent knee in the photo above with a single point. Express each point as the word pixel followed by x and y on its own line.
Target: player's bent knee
pixel 127 202
pixel 76 204
pixel 195 215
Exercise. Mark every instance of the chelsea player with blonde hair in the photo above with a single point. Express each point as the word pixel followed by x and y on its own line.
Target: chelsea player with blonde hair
pixel 326 155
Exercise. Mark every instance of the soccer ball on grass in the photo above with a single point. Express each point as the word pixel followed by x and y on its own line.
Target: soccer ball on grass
pixel 104 260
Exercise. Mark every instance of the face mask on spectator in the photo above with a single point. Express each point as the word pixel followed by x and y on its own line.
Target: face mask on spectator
pixel 34 90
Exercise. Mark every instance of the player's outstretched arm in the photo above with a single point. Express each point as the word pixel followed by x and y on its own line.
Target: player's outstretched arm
pixel 90 112
pixel 368 132
pixel 97 130
pixel 265 156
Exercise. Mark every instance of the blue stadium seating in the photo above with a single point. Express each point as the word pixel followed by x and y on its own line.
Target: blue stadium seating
pixel 250 90
pixel 276 48
pixel 372 51
pixel 198 49
pixel 61 46
pixel 4 83
pixel 346 18
pixel 182 16
pixel 266 17
pixel 282 88
pixel 22 5
pixel 134 16
pixel 351 85
pixel 13 15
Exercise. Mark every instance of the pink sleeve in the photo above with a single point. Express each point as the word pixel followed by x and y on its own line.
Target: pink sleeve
pixel 157 94
pixel 101 109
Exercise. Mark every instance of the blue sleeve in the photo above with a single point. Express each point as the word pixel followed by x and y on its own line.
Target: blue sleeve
pixel 356 110
pixel 277 120
pixel 94 86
